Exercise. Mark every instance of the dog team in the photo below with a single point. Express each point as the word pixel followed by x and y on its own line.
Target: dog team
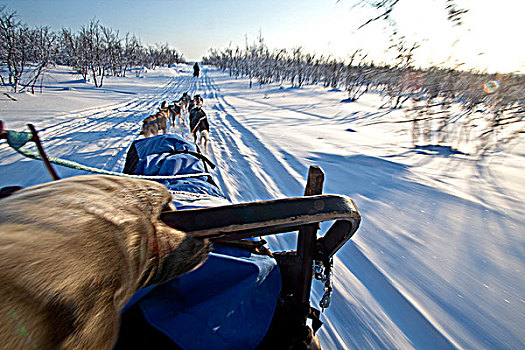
pixel 198 121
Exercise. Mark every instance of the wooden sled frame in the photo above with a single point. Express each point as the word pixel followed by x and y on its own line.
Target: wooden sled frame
pixel 246 220
pixel 302 214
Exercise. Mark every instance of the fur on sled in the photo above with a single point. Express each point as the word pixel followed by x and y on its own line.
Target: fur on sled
pixel 72 253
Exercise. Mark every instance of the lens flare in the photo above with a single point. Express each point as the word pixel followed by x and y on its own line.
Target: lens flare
pixel 491 86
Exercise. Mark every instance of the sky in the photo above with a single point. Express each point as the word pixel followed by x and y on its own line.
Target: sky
pixel 489 39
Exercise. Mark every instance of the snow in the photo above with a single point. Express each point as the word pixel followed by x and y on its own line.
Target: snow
pixel 439 259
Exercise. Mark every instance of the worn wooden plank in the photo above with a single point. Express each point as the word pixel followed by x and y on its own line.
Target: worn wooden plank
pixel 43 154
pixel 307 238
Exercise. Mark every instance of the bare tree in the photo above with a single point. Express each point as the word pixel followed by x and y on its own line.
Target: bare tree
pixel 112 46
pixel 94 51
pixel 91 51
pixel 131 54
pixel 12 39
pixel 41 49
pixel 386 7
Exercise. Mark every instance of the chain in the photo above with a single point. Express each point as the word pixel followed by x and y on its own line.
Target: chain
pixel 323 273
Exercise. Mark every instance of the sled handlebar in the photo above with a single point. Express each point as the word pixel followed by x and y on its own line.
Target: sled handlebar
pixel 231 223
pixel 245 220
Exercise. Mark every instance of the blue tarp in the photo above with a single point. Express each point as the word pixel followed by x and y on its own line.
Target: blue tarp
pixel 156 158
pixel 229 301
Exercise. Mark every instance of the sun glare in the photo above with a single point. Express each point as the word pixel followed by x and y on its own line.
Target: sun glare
pixel 491 86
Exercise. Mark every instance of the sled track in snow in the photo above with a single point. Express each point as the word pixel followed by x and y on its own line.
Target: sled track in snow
pixel 233 145
pixel 243 173
pixel 115 126
pixel 422 333
pixel 258 175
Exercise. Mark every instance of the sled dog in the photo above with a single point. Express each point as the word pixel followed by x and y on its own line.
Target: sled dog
pixel 199 124
pixel 196 102
pixel 155 122
pixel 184 103
pixel 175 111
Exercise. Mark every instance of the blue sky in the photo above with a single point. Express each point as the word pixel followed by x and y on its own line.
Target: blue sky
pixel 490 38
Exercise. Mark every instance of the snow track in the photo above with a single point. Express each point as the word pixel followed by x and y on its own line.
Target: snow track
pixel 435 261
pixel 99 137
pixel 257 170
pixel 372 307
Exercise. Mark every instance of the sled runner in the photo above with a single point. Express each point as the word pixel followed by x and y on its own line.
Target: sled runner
pixel 244 296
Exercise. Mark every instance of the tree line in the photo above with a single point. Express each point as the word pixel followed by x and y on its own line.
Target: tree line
pixel 94 51
pixel 431 96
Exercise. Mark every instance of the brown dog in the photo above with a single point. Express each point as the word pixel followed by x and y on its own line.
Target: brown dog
pixel 72 253
pixel 155 122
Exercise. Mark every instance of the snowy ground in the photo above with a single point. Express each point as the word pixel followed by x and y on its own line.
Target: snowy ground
pixel 439 259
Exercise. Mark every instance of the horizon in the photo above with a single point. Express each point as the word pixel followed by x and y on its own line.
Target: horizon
pixel 328 27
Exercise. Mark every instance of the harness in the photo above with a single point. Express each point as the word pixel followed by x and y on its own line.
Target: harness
pixel 196 125
pixel 175 108
pixel 152 119
pixel 199 121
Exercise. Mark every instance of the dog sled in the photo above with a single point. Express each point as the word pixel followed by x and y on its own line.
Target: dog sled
pixel 244 296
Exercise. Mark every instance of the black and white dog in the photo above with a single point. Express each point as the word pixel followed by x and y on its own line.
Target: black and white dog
pixel 175 111
pixel 196 102
pixel 199 122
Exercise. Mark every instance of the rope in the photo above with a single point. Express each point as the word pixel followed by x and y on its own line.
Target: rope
pixel 17 139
